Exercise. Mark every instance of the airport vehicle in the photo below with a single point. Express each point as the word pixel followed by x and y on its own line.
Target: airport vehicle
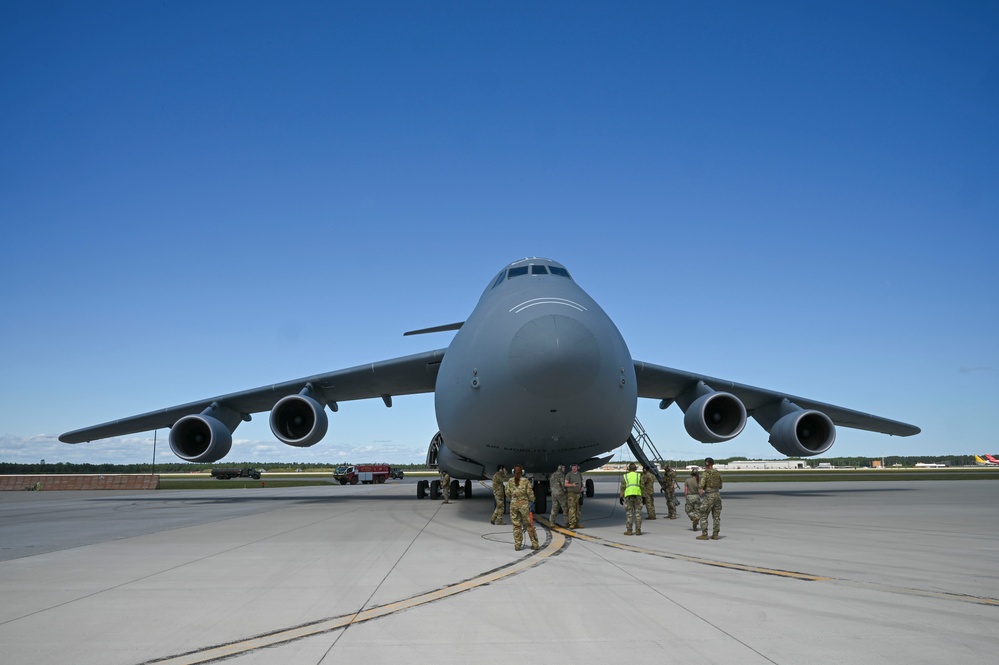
pixel 396 474
pixel 363 473
pixel 225 473
pixel 537 375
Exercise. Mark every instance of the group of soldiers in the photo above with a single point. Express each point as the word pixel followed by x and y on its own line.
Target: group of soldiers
pixel 566 489
pixel 703 499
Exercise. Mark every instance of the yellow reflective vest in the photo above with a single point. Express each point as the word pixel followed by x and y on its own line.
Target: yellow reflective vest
pixel 632 483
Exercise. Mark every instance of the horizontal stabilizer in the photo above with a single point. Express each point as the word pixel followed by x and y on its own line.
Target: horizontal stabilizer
pixel 444 328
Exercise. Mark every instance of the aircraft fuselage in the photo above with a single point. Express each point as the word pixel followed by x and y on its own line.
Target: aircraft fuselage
pixel 538 375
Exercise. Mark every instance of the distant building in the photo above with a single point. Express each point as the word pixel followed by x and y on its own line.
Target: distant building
pixel 763 465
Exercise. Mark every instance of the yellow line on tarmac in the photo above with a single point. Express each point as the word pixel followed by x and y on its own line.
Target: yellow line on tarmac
pixel 218 652
pixel 683 557
pixel 978 600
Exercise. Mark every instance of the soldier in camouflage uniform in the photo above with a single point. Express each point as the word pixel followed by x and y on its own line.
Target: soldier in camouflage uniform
pixel 669 485
pixel 445 486
pixel 521 505
pixel 711 504
pixel 557 484
pixel 631 496
pixel 499 479
pixel 691 490
pixel 573 489
pixel 649 492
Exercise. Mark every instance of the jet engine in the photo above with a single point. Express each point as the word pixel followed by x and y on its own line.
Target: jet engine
pixel 714 417
pixel 803 433
pixel 299 420
pixel 200 438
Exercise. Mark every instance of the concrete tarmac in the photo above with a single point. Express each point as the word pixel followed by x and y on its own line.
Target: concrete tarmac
pixel 838 572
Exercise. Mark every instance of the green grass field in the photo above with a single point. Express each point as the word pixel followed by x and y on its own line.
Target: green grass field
pixel 168 483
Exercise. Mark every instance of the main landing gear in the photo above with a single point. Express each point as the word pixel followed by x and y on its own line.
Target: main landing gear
pixel 541 497
pixel 542 490
pixel 433 488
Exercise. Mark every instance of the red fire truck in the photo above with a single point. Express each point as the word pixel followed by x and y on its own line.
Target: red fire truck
pixel 363 473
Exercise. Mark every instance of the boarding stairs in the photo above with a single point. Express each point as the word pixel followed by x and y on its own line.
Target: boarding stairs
pixel 641 447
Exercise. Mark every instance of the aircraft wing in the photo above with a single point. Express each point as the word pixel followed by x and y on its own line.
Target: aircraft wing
pixel 408 375
pixel 655 381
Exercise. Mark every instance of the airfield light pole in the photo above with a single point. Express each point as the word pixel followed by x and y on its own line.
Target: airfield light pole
pixel 153 473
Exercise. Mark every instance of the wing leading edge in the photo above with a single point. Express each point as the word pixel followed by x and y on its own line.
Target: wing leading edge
pixel 665 383
pixel 408 375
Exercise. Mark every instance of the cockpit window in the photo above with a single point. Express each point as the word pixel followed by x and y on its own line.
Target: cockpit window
pixel 516 272
pixel 561 272
pixel 530 269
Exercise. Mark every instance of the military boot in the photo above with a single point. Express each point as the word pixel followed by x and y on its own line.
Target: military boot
pixel 628 532
pixel 703 536
pixel 695 525
pixel 638 532
pixel 714 536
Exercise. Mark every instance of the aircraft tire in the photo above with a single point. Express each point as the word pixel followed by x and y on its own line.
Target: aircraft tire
pixel 468 489
pixel 421 489
pixel 435 490
pixel 540 498
pixel 589 487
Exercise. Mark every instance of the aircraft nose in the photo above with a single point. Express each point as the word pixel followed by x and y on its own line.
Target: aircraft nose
pixel 554 356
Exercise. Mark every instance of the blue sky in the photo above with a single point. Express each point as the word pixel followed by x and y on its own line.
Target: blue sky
pixel 204 197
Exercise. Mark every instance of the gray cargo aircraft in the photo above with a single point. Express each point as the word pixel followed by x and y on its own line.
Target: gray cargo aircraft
pixel 538 375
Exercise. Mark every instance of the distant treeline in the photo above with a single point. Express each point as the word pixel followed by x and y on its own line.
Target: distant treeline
pixel 859 462
pixel 9 468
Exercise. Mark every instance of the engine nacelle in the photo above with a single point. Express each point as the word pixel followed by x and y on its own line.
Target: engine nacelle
pixel 715 417
pixel 803 434
pixel 200 438
pixel 299 420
